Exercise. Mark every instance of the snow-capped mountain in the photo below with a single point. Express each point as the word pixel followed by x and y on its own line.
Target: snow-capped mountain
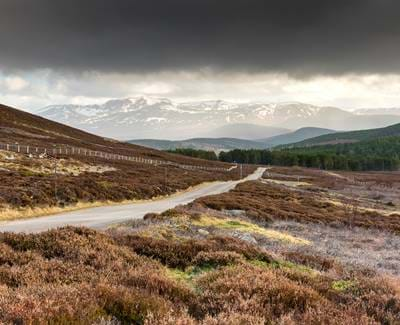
pixel 152 117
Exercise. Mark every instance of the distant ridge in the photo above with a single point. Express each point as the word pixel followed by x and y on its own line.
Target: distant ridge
pixel 350 137
pixel 296 136
pixel 246 131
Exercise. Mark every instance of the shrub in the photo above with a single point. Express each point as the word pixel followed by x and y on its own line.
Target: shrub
pixel 182 253
pixel 316 262
pixel 218 258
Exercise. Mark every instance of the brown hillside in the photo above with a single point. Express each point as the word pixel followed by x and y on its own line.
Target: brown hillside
pixel 25 128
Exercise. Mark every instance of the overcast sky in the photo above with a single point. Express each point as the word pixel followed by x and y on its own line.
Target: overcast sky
pixel 343 52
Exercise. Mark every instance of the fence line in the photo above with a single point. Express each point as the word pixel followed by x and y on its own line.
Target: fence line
pixel 74 151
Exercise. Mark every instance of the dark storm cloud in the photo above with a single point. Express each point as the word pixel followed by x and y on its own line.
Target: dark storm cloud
pixel 303 37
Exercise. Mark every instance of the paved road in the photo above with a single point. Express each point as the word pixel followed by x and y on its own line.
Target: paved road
pixel 103 217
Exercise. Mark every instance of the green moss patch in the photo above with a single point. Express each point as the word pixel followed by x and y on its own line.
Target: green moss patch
pixel 343 285
pixel 281 264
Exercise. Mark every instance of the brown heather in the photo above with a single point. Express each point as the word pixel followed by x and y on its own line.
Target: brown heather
pixel 269 202
pixel 183 253
pixel 80 276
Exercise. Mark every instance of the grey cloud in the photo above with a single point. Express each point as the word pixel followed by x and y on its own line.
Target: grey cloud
pixel 302 38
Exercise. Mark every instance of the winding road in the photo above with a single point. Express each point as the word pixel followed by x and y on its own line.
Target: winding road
pixel 103 217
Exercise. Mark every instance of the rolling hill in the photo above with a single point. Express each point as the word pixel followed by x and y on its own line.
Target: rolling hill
pixel 350 137
pixel 246 131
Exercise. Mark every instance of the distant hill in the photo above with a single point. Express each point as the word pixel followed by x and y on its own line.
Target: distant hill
pixel 296 136
pixel 208 144
pixel 246 131
pixel 350 137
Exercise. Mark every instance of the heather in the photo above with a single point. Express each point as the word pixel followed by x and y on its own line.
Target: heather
pixel 77 275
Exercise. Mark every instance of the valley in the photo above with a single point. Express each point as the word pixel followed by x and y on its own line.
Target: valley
pixel 192 162
pixel 163 238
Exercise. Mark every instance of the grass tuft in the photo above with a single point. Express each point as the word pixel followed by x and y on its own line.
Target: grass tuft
pixel 244 226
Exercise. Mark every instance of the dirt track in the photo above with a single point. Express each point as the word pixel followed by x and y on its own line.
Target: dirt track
pixel 103 217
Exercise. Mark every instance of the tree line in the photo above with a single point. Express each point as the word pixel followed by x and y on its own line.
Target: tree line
pixel 376 155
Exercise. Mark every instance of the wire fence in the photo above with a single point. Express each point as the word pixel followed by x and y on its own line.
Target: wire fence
pixel 42 152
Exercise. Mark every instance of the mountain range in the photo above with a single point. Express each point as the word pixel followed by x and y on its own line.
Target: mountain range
pixel 161 118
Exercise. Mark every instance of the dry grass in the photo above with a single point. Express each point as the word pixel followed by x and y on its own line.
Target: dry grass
pixel 368 248
pixel 45 166
pixel 247 227
pixel 8 214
